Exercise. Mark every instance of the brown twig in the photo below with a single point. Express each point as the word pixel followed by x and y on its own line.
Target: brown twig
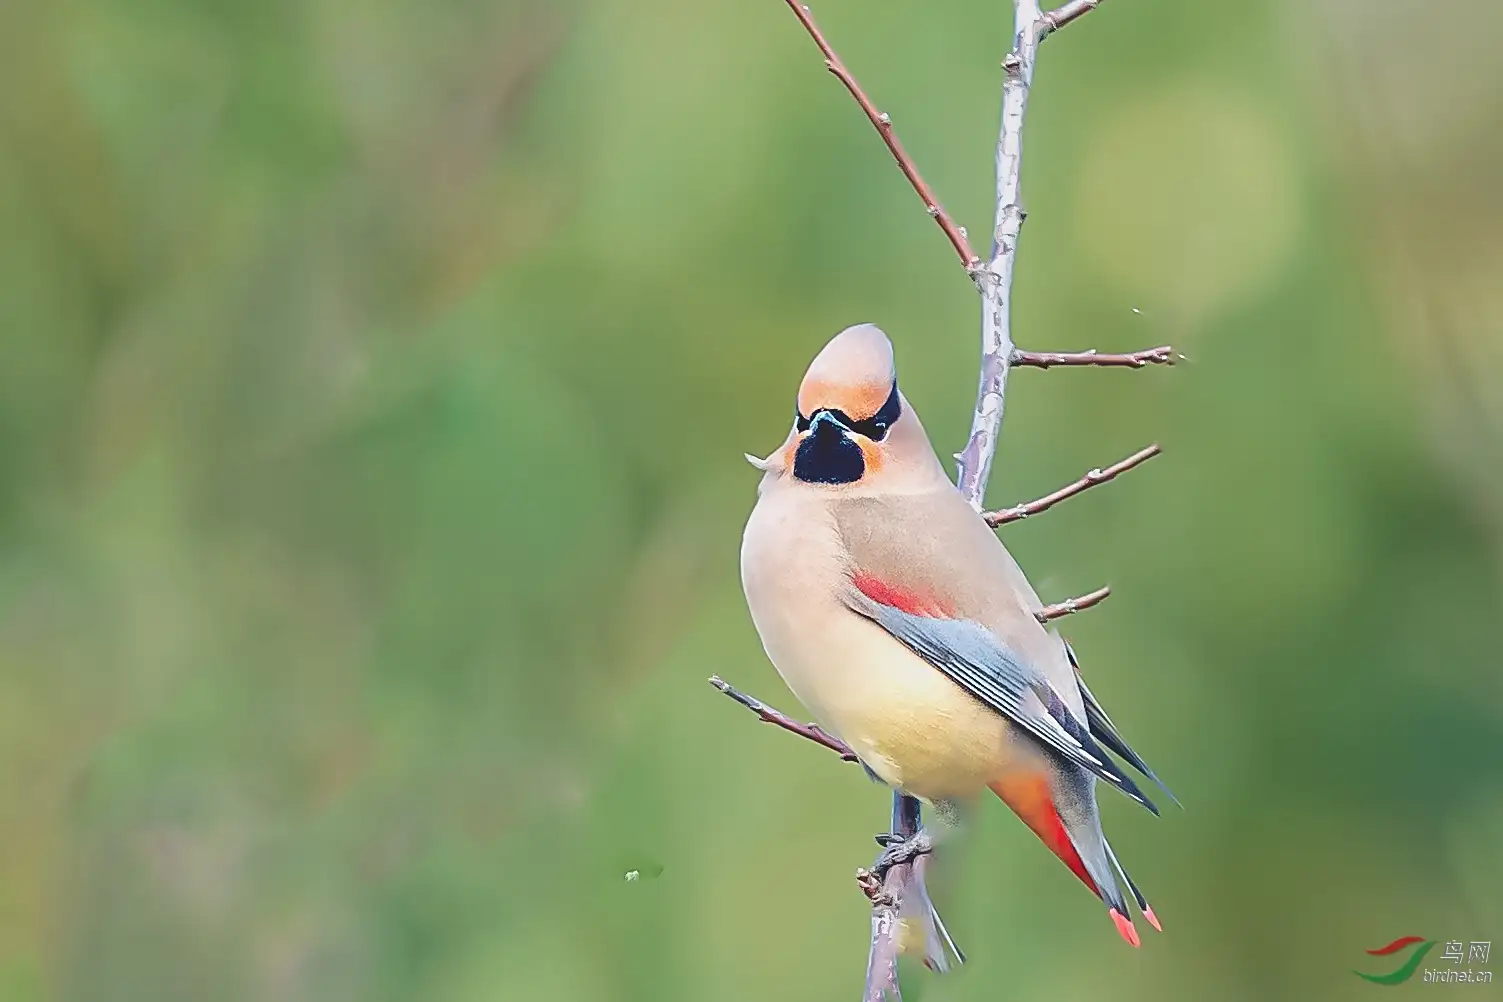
pixel 1073 605
pixel 1162 355
pixel 811 731
pixel 882 122
pixel 1065 13
pixel 1091 479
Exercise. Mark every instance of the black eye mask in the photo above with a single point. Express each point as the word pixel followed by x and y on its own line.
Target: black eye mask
pixel 874 427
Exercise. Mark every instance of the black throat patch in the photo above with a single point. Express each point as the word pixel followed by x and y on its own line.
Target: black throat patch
pixel 828 457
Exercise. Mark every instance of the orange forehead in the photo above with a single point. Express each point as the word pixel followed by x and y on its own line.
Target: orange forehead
pixel 855 400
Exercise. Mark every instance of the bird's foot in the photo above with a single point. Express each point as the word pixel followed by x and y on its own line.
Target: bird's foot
pixel 898 850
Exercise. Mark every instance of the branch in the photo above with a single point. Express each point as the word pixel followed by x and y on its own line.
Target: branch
pixel 1162 355
pixel 811 731
pixel 882 122
pixel 1091 479
pixel 994 278
pixel 1064 14
pixel 1073 605
pixel 887 901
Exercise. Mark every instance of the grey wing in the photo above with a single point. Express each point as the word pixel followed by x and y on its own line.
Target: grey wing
pixel 972 657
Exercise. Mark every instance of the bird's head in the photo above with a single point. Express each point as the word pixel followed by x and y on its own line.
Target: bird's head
pixel 851 425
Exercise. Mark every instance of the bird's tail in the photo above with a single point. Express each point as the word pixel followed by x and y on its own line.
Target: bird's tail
pixel 1059 804
pixel 921 927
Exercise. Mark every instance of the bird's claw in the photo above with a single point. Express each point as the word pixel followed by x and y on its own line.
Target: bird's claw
pixel 900 850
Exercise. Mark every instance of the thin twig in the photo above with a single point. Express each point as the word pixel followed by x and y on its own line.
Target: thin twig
pixel 1162 355
pixel 1073 605
pixel 882 122
pixel 1091 479
pixel 811 731
pixel 1064 14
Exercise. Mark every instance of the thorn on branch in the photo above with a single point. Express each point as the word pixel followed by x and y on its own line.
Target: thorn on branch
pixel 1073 605
pixel 1162 355
pixel 1091 479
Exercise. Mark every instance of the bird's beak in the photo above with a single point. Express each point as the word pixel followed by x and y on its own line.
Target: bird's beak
pixel 825 423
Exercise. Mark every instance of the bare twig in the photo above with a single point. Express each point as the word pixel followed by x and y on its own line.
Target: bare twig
pixel 811 731
pixel 882 122
pixel 1162 355
pixel 1064 14
pixel 1091 479
pixel 1073 605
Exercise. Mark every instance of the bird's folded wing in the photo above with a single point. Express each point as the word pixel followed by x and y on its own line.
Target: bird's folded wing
pixel 972 656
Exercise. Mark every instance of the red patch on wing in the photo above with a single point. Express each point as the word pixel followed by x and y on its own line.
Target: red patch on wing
pixel 1030 798
pixel 899 598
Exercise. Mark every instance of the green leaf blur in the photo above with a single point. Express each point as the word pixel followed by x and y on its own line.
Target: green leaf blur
pixel 374 383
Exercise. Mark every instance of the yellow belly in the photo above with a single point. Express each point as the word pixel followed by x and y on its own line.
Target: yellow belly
pixel 916 729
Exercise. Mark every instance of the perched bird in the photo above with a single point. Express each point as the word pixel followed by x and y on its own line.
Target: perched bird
pixel 901 622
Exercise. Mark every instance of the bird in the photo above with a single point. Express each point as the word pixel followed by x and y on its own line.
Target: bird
pixel 898 618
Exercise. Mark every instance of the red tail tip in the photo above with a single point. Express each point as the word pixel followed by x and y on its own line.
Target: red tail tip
pixel 1153 919
pixel 1124 928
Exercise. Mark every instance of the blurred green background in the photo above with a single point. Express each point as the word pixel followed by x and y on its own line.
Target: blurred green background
pixel 374 383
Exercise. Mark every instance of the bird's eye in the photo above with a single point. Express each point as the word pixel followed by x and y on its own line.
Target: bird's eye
pixel 875 427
